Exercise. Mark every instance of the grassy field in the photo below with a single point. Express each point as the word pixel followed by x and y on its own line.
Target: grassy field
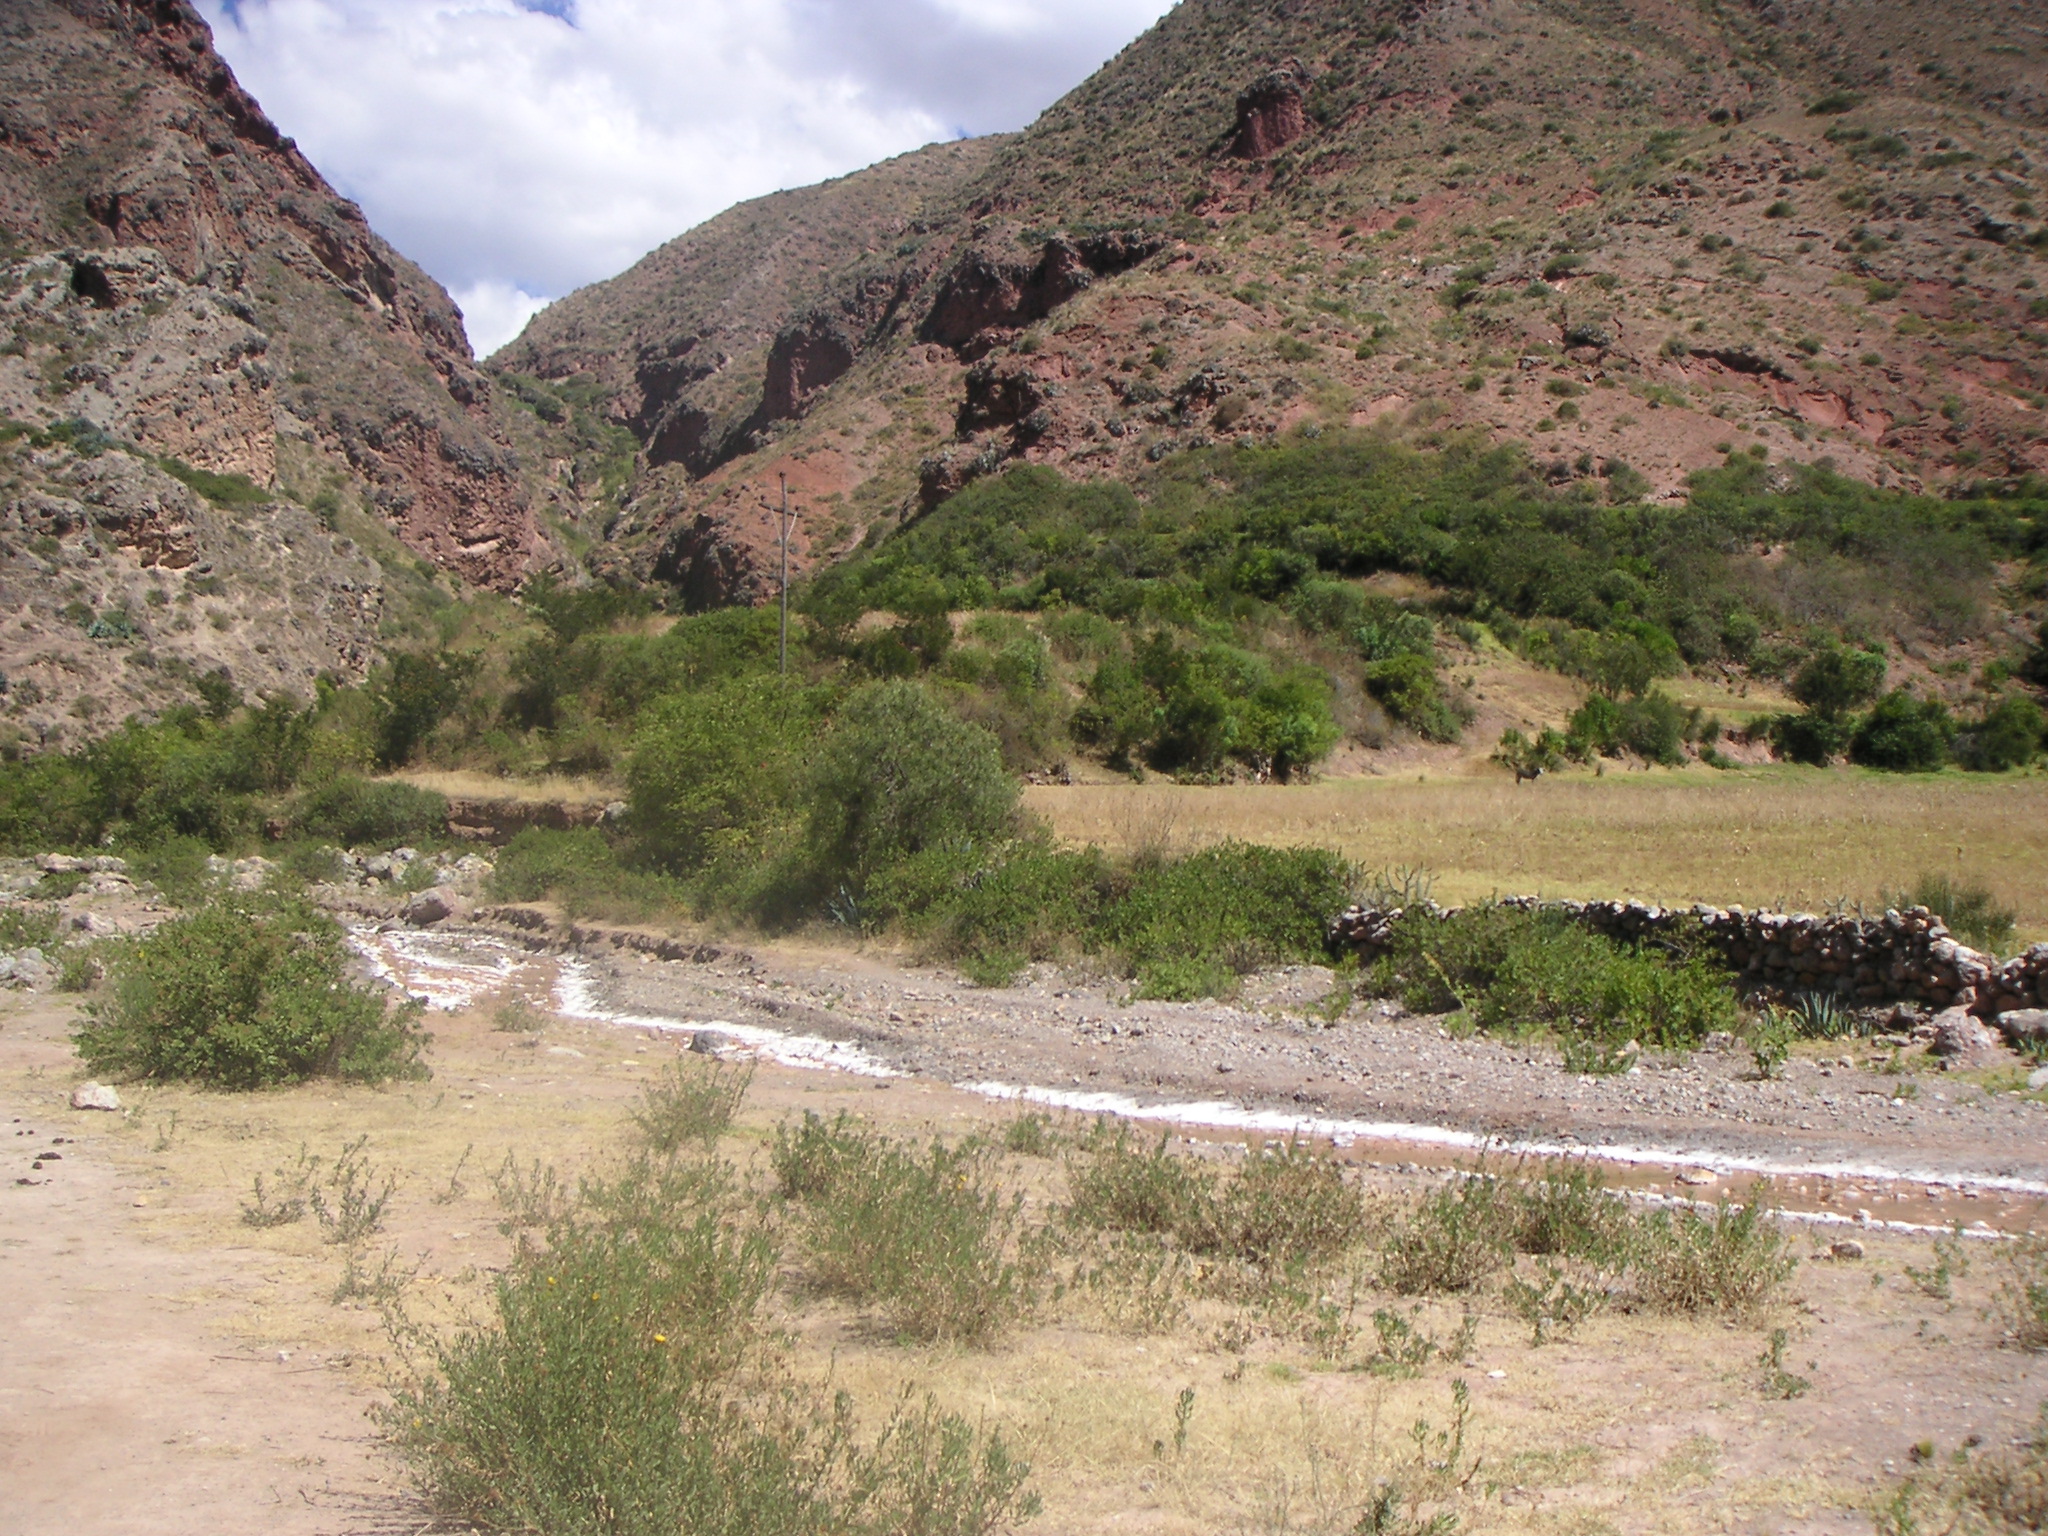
pixel 1772 836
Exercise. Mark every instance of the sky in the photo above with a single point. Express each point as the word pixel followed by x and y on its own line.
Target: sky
pixel 518 149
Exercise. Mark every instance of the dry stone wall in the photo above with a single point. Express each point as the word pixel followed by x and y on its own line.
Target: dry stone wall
pixel 1900 957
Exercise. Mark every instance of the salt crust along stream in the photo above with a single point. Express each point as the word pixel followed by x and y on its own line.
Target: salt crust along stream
pixel 455 969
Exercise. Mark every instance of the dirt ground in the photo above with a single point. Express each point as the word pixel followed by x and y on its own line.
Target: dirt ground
pixel 167 1368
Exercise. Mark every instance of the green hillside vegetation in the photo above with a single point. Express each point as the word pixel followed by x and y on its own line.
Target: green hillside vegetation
pixel 1230 617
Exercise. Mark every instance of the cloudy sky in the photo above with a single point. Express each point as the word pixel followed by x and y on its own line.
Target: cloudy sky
pixel 520 148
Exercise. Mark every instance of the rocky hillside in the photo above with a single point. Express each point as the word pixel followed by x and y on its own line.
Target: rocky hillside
pixel 175 273
pixel 1632 237
pixel 122 587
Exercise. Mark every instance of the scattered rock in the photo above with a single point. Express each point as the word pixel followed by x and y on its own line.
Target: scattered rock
pixel 2024 1024
pixel 94 1096
pixel 1698 1176
pixel 1847 1248
pixel 1961 1035
pixel 708 1042
pixel 425 908
pixel 563 1050
pixel 2038 1078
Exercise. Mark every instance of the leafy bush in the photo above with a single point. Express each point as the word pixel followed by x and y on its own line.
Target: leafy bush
pixel 626 1384
pixel 1735 1260
pixel 246 993
pixel 2011 734
pixel 1236 904
pixel 898 775
pixel 582 870
pixel 929 1238
pixel 383 814
pixel 1114 1184
pixel 715 773
pixel 1567 1211
pixel 693 1100
pixel 1287 1206
pixel 1652 725
pixel 1458 1236
pixel 1810 738
pixel 1032 905
pixel 1407 688
pixel 2020 1304
pixel 1514 969
pixel 1904 735
pixel 411 696
pixel 1279 1208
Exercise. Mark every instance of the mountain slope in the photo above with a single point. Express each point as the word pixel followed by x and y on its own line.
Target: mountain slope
pixel 183 279
pixel 1631 236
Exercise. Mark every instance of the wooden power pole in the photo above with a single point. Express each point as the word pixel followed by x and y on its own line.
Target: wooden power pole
pixel 786 527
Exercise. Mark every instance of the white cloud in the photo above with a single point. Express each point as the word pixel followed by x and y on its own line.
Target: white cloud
pixel 520 148
pixel 493 313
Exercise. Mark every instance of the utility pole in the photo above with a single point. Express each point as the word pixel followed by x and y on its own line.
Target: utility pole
pixel 786 527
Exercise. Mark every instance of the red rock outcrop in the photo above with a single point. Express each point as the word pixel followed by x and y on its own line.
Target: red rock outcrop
pixel 199 300
pixel 1271 112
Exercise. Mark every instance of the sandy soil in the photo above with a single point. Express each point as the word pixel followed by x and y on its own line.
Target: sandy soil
pixel 141 1384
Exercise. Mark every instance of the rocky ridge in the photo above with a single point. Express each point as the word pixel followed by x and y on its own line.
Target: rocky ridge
pixel 1629 237
pixel 119 584
pixel 174 272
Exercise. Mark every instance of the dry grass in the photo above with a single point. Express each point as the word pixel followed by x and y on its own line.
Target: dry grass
pixel 1632 1422
pixel 1765 836
pixel 556 789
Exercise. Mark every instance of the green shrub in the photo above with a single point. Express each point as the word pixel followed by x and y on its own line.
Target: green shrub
pixel 411 696
pixel 1904 735
pixel 1515 970
pixel 1280 1207
pixel 1033 905
pixel 357 813
pixel 1810 738
pixel 1407 688
pixel 2020 1304
pixel 930 1239
pixel 1237 904
pixel 1457 1237
pixel 1652 725
pixel 626 1385
pixel 809 1160
pixel 1288 1206
pixel 1836 679
pixel 2011 734
pixel 1736 1259
pixel 1972 913
pixel 581 870
pixel 694 1100
pixel 1116 1185
pixel 715 773
pixel 246 993
pixel 1567 1211
pixel 899 774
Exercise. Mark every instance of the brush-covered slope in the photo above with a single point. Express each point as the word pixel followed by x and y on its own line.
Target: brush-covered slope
pixel 1631 236
pixel 175 273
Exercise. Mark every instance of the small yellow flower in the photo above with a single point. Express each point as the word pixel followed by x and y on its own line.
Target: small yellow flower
pixel 661 1338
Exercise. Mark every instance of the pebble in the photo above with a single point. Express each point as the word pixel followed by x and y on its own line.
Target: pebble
pixel 1847 1248
pixel 94 1096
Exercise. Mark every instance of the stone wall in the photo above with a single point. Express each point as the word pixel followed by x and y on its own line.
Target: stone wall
pixel 1900 957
